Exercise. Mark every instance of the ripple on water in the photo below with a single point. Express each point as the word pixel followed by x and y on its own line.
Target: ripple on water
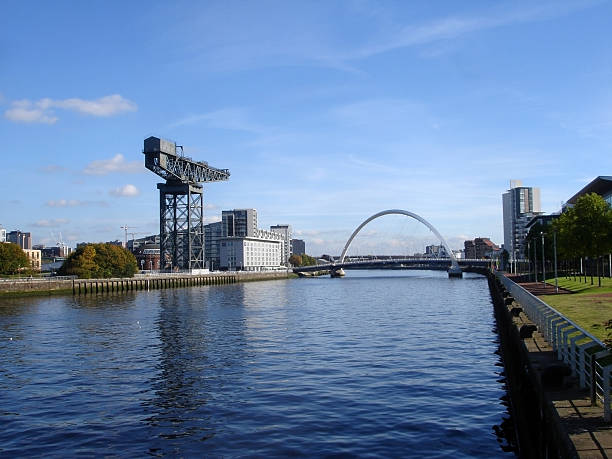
pixel 397 364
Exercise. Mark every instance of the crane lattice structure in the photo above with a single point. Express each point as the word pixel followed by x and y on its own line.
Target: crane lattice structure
pixel 181 203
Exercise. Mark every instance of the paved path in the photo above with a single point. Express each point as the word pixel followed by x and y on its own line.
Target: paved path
pixel 538 288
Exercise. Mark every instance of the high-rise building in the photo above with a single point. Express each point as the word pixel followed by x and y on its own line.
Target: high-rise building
pixel 520 204
pixel 213 232
pixel 298 247
pixel 239 223
pixel 23 240
pixel 285 231
pixel 2 234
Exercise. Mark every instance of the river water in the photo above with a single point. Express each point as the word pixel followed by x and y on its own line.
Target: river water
pixel 377 364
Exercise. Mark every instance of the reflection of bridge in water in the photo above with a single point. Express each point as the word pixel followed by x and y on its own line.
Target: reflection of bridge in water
pixel 454 267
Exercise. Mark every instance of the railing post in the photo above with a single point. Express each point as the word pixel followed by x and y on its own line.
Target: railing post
pixel 606 374
pixel 593 380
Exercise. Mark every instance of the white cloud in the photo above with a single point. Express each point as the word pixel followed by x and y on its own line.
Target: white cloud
pixel 41 111
pixel 25 111
pixel 104 106
pixel 116 164
pixel 75 203
pixel 51 223
pixel 125 191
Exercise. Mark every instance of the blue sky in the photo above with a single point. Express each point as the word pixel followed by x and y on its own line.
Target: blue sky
pixel 324 112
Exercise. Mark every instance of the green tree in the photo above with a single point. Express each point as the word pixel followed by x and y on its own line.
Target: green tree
pixel 307 260
pixel 100 261
pixel 12 258
pixel 585 229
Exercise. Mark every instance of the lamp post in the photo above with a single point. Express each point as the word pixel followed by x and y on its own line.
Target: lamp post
pixel 528 259
pixel 535 260
pixel 555 252
pixel 543 261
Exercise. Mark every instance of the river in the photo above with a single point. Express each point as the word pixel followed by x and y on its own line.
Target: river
pixel 376 364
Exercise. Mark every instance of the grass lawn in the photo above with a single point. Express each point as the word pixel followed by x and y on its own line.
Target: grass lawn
pixel 590 306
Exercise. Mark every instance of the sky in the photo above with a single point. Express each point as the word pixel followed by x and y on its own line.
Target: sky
pixel 325 112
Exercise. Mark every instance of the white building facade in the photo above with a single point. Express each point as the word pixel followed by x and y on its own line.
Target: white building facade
pixel 285 231
pixel 250 253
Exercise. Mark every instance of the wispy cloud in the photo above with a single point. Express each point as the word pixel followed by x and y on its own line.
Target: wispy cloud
pixel 117 164
pixel 53 169
pixel 42 111
pixel 235 119
pixel 54 222
pixel 75 203
pixel 223 41
pixel 126 191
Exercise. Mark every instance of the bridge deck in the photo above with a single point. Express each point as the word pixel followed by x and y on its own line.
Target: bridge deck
pixel 407 262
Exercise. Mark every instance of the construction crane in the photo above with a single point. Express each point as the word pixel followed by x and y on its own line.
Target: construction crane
pixel 181 204
pixel 126 228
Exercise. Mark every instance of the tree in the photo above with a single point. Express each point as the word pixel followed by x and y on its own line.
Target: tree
pixel 307 260
pixel 302 260
pixel 12 258
pixel 100 261
pixel 585 229
pixel 295 260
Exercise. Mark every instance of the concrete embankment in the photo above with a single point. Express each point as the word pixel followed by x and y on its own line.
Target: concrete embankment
pixel 554 416
pixel 50 286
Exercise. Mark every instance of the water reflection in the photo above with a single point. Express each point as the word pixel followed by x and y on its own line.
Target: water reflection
pixel 201 357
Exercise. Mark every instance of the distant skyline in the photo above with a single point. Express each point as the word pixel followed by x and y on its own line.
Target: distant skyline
pixel 324 112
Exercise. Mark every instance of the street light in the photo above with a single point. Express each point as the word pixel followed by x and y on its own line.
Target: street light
pixel 528 258
pixel 555 252
pixel 543 261
pixel 535 260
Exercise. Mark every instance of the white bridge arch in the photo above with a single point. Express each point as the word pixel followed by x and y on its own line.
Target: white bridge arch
pixel 454 264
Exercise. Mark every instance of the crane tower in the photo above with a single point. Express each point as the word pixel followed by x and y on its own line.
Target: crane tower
pixel 181 203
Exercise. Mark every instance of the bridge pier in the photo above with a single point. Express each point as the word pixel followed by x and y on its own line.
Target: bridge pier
pixel 455 271
pixel 337 272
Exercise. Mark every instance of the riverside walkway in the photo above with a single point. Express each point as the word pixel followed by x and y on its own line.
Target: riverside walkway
pixel 583 421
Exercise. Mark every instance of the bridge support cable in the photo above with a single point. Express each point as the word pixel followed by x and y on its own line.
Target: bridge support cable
pixel 181 204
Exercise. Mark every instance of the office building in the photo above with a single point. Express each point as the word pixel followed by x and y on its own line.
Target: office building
pixel 239 223
pixel 520 205
pixel 2 234
pixel 601 185
pixel 285 231
pixel 435 251
pixel 23 240
pixel 298 247
pixel 213 232
pixel 265 251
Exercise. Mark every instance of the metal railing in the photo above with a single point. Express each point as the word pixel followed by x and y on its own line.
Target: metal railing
pixel 36 279
pixel 588 358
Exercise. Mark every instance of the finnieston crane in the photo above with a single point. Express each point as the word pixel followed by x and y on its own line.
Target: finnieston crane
pixel 181 203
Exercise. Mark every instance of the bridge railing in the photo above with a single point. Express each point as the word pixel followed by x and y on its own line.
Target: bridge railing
pixel 588 358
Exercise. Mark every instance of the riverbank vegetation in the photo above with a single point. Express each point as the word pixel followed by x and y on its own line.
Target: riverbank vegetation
pixel 99 261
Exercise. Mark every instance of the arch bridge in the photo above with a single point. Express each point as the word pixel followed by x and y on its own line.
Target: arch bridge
pixel 337 268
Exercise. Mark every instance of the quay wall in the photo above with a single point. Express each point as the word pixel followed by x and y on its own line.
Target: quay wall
pixel 37 286
pixel 538 429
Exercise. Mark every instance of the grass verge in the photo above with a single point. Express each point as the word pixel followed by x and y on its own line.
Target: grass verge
pixel 590 306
